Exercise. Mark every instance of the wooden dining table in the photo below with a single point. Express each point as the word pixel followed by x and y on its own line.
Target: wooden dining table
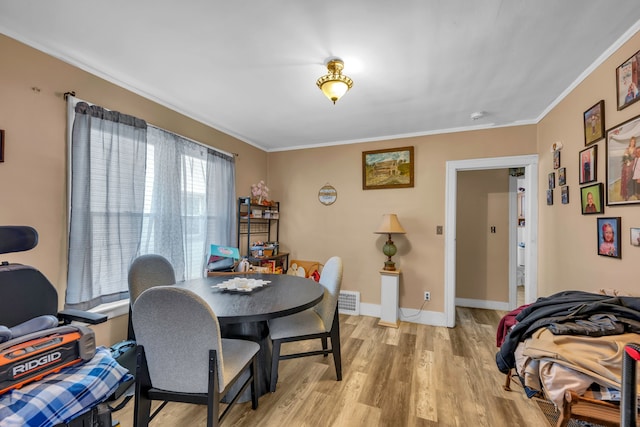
pixel 245 315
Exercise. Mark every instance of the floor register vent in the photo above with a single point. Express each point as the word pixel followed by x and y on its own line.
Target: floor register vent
pixel 349 302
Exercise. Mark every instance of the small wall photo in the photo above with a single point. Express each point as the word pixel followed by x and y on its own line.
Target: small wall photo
pixel 635 236
pixel 609 237
pixel 588 164
pixel 591 199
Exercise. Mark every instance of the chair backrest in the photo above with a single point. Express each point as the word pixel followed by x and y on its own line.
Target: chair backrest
pixel 25 293
pixel 17 238
pixel 331 279
pixel 148 271
pixel 177 329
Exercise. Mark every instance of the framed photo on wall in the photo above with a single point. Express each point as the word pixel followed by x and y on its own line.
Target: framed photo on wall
pixel 390 168
pixel 594 123
pixel 623 171
pixel 564 194
pixel 609 237
pixel 549 197
pixel 635 236
pixel 591 199
pixel 627 81
pixel 556 159
pixel 552 180
pixel 588 159
pixel 562 176
pixel 1 145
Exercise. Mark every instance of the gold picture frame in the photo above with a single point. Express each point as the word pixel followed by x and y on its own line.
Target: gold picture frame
pixel 388 168
pixel 593 123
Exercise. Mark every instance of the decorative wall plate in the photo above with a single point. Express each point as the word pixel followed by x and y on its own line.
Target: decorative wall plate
pixel 327 195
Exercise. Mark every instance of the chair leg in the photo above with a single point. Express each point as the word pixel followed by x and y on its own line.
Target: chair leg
pixel 275 358
pixel 335 345
pixel 324 346
pixel 142 404
pixel 507 382
pixel 254 382
pixel 213 396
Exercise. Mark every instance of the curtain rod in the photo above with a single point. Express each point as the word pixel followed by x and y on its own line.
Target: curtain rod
pixel 72 94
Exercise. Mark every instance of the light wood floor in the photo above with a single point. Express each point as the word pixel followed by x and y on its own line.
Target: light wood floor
pixel 416 375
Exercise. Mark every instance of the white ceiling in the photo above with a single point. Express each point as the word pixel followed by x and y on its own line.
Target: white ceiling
pixel 248 67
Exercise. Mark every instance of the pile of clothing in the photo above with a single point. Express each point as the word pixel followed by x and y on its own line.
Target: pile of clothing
pixel 572 340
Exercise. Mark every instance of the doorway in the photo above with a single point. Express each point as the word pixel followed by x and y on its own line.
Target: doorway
pixel 530 163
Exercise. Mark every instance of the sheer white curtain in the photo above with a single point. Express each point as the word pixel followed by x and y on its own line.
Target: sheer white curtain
pixel 192 203
pixel 172 197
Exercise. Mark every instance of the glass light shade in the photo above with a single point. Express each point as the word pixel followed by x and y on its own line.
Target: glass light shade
pixel 334 89
pixel 334 84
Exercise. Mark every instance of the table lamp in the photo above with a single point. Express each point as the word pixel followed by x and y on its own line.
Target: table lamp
pixel 390 225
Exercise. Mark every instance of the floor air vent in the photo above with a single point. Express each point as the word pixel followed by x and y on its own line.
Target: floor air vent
pixel 349 302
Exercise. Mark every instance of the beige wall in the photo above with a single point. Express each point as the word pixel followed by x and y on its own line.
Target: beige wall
pixel 568 246
pixel 311 230
pixel 482 257
pixel 33 184
pixel 33 174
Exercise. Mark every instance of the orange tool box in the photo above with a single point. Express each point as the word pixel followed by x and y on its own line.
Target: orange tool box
pixel 33 356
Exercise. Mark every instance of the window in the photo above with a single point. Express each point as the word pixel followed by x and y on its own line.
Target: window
pixel 137 189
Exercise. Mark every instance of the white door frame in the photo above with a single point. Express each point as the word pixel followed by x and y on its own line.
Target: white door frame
pixel 530 163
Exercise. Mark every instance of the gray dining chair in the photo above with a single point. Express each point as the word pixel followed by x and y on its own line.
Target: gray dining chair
pixel 319 322
pixel 145 272
pixel 182 357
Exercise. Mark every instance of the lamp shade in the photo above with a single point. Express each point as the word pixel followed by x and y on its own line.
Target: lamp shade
pixel 334 84
pixel 390 225
pixel 334 89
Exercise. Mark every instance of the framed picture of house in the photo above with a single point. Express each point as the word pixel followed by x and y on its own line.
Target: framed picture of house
pixel 627 77
pixel 609 237
pixel 389 168
pixel 588 159
pixel 591 199
pixel 623 166
pixel 556 159
pixel 594 123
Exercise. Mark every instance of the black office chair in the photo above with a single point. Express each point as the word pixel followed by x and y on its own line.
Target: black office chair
pixel 19 284
pixel 182 357
pixel 29 304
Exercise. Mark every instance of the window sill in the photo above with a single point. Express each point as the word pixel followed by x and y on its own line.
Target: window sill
pixel 112 309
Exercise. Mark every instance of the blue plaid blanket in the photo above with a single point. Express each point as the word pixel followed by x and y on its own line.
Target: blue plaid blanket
pixel 58 398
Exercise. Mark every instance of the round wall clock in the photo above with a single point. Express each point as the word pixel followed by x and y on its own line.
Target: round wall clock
pixel 327 195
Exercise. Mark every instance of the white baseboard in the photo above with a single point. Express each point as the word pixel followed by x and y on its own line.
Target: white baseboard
pixel 412 315
pixel 478 303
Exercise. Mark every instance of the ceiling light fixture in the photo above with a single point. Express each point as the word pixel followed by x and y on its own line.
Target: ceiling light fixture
pixel 334 85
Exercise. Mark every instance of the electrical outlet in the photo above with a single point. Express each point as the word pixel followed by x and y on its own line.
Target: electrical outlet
pixel 427 296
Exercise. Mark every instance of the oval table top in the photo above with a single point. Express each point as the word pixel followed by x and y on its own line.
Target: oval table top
pixel 284 295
